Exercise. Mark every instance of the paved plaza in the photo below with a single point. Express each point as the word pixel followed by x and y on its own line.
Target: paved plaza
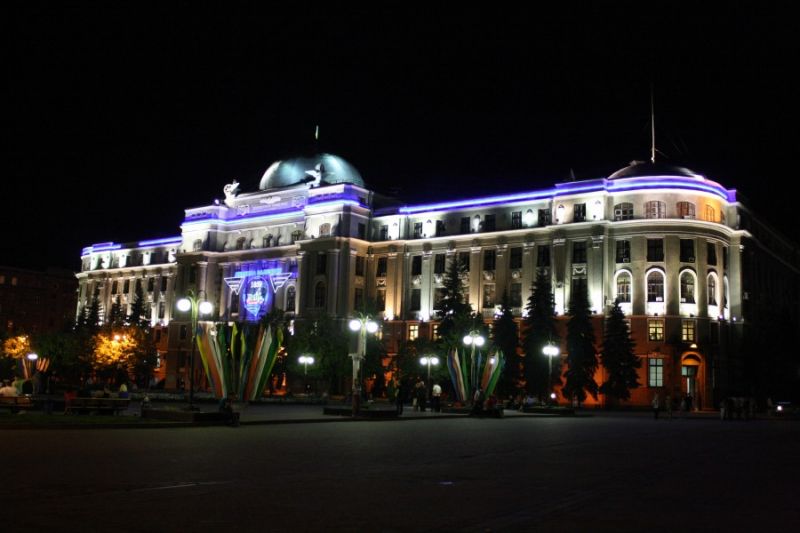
pixel 623 472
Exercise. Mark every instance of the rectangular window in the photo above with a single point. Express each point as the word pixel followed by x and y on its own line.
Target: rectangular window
pixel 489 259
pixel 416 299
pixel 655 209
pixel 382 267
pixel 360 261
pixel 579 215
pixel 488 295
pixel 380 298
pixel 543 256
pixel 687 250
pixel 688 330
pixel 655 249
pixel 416 265
pixel 358 299
pixel 623 211
pixel 711 253
pixel 578 252
pixel 515 260
pixel 516 219
pixel 544 217
pixel 624 287
pixel 440 228
pixel 151 284
pixel 322 262
pixel 439 263
pixel 464 258
pixel 384 233
pixel 655 372
pixel 489 223
pixel 623 251
pixel 417 230
pixel 126 287
pixel 164 284
pixel 464 225
pixel 434 332
pixel 413 332
pixel 655 329
pixel 516 295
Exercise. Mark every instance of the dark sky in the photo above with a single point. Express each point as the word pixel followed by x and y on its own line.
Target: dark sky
pixel 116 118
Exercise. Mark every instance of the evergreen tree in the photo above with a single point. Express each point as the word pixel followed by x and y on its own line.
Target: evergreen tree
pixel 456 314
pixel 581 355
pixel 91 321
pixel 137 315
pixel 539 329
pixel 618 358
pixel 505 338
pixel 115 316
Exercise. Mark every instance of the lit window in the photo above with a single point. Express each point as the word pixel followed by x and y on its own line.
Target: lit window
pixel 434 332
pixel 655 372
pixel 624 287
pixel 686 210
pixel 710 214
pixel 655 329
pixel 655 287
pixel 712 289
pixel 687 288
pixel 655 209
pixel 413 332
pixel 688 330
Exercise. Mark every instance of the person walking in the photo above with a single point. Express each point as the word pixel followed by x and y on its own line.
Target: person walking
pixel 398 399
pixel 656 406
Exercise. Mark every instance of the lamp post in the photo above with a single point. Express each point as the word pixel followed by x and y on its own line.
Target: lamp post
pixel 550 350
pixel 429 360
pixel 473 339
pixel 193 303
pixel 30 364
pixel 305 360
pixel 361 325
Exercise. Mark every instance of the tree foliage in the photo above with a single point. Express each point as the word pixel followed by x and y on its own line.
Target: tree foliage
pixel 322 337
pixel 618 357
pixel 581 354
pixel 539 329
pixel 456 314
pixel 505 337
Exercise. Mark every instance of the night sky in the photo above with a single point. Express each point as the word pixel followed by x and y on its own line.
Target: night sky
pixel 116 118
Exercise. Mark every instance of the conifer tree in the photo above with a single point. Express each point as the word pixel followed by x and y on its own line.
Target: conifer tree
pixel 618 357
pixel 91 320
pixel 581 354
pixel 539 330
pixel 456 314
pixel 115 316
pixel 136 316
pixel 505 338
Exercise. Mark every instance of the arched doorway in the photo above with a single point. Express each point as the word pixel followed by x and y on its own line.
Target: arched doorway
pixel 692 379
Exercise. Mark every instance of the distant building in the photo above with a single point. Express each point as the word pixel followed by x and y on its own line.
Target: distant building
pixel 32 301
pixel 692 267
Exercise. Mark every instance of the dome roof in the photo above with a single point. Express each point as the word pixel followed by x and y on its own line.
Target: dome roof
pixel 321 169
pixel 640 169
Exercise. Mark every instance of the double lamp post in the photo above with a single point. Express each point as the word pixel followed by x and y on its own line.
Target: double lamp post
pixel 193 303
pixel 361 325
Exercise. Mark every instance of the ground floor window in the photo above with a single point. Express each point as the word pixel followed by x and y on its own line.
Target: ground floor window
pixel 655 372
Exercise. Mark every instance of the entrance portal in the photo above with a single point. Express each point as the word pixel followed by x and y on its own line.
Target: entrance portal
pixel 689 374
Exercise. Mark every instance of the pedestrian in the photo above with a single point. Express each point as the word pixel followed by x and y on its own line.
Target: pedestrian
pixel 398 399
pixel 656 403
pixel 436 406
pixel 477 401
pixel 422 396
pixel 668 405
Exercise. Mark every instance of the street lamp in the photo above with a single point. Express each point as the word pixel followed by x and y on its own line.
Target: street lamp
pixel 431 360
pixel 30 364
pixel 362 325
pixel 305 360
pixel 550 350
pixel 475 340
pixel 192 303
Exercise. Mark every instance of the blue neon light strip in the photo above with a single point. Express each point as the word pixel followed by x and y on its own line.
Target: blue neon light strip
pixel 165 240
pixel 657 182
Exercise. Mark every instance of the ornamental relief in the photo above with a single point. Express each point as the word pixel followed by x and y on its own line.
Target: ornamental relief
pixel 579 270
pixel 488 275
pixel 416 280
pixel 516 274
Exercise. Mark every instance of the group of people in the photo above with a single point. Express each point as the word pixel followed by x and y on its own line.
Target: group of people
pixel 671 404
pixel 419 397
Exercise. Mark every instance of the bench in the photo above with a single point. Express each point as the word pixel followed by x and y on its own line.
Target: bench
pixel 16 403
pixel 97 405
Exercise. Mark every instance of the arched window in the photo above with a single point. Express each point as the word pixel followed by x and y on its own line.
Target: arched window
pixel 712 289
pixel 428 229
pixel 290 297
pixel 250 244
pixel 319 294
pixel 655 286
pixel 560 213
pixel 476 223
pixel 198 245
pixel 623 284
pixel 710 214
pixel 623 211
pixel 240 243
pixel 655 209
pixel 686 210
pixel 687 287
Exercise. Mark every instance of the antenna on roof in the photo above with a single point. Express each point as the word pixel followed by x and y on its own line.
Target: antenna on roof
pixel 652 128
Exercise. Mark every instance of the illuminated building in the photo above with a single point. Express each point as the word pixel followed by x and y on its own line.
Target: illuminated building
pixel 690 264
